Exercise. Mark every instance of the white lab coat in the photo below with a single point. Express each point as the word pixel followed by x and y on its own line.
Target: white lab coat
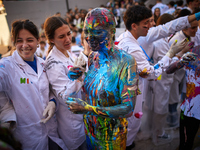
pixel 162 31
pixel 128 43
pixel 29 93
pixel 179 83
pixel 161 88
pixel 154 34
pixel 7 112
pixel 70 126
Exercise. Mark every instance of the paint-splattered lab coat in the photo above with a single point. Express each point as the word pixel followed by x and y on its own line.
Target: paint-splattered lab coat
pixel 191 104
pixel 29 93
pixel 70 126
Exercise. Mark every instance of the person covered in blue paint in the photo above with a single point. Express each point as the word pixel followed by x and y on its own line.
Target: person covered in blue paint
pixel 111 85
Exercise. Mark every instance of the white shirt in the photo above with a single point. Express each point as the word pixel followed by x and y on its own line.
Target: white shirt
pixel 162 7
pixel 29 92
pixel 70 126
pixel 170 11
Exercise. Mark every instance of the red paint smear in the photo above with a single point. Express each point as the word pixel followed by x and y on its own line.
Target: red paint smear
pixel 116 42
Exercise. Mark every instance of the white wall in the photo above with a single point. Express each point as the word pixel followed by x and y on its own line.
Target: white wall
pixel 38 11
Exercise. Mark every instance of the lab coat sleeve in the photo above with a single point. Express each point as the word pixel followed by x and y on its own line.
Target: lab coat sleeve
pixel 7 112
pixel 145 67
pixel 61 84
pixel 167 29
pixel 52 96
pixel 5 69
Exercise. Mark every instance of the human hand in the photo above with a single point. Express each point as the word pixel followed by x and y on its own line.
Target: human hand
pixel 9 124
pixel 75 73
pixel 185 49
pixel 144 73
pixel 49 111
pixel 76 105
pixel 176 47
pixel 186 58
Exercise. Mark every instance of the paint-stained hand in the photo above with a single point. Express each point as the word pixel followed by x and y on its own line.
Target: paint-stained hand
pixel 77 105
pixel 75 73
pixel 144 73
pixel 188 57
pixel 49 111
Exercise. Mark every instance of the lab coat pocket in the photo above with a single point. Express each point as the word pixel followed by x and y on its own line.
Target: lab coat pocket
pixel 29 135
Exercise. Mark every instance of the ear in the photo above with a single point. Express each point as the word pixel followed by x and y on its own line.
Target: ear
pixel 134 26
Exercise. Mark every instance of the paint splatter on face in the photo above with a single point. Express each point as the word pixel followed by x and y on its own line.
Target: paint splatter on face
pixel 99 29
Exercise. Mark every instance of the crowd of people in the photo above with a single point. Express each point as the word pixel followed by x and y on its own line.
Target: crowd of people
pixel 74 85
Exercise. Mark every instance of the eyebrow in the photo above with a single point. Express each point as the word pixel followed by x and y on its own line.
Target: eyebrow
pixel 27 38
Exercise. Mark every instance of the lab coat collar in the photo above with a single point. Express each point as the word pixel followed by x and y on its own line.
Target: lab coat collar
pixel 61 56
pixel 129 36
pixel 40 65
pixel 182 35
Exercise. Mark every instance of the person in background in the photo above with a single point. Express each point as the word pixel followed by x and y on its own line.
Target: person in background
pixel 146 42
pixel 117 15
pixel 160 5
pixel 25 82
pixel 78 37
pixel 81 19
pixel 41 51
pixel 190 114
pixel 178 86
pixel 156 14
pixel 156 105
pixel 171 9
pixel 57 64
pixel 58 14
pixel 75 48
pixel 110 85
pixel 192 5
